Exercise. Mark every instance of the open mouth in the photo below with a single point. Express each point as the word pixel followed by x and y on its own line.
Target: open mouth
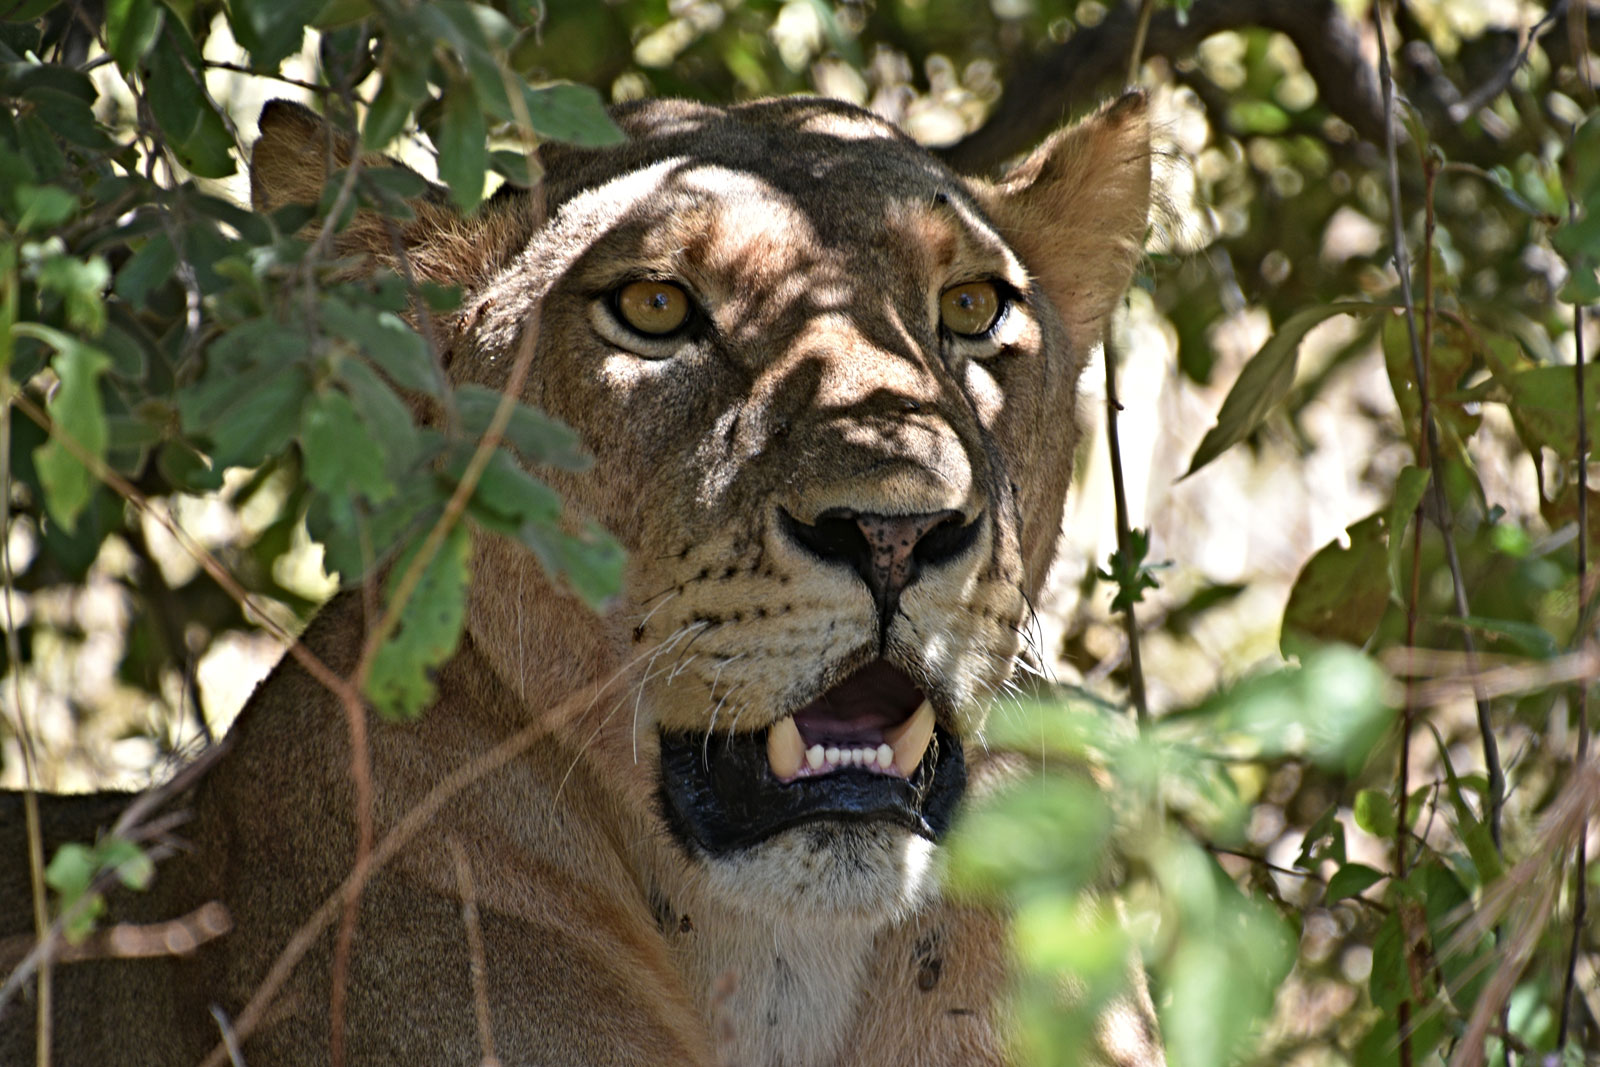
pixel 868 748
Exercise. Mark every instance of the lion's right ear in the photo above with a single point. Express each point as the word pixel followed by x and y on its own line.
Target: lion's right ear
pixel 1076 211
pixel 298 150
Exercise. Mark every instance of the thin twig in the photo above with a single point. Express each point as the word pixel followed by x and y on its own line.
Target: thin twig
pixel 1468 105
pixel 477 967
pixel 1119 493
pixel 1140 31
pixel 1441 503
pixel 240 68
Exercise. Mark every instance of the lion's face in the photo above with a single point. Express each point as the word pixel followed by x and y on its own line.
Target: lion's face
pixel 830 391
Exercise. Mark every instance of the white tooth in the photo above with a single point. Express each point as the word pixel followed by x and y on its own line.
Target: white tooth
pixel 866 757
pixel 910 739
pixel 832 756
pixel 848 756
pixel 885 756
pixel 785 750
pixel 814 757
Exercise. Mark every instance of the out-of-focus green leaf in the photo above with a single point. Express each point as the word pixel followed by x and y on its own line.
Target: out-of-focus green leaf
pixel 271 30
pixel 1351 880
pixel 463 146
pixel 1265 380
pixel 571 113
pixel 1408 489
pixel 177 97
pixel 1374 812
pixel 1330 710
pixel 400 684
pixel 132 26
pixel 1046 834
pixel 78 413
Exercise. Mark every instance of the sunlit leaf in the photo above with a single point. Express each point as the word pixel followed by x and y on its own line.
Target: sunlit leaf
pixel 1265 380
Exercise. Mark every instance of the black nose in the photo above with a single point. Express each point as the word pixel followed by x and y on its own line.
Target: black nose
pixel 887 551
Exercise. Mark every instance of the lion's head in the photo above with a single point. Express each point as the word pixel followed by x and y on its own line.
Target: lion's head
pixel 830 389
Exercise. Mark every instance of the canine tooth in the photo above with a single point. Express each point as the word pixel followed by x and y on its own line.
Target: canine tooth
pixel 785 750
pixel 831 755
pixel 910 739
pixel 814 757
pixel 885 756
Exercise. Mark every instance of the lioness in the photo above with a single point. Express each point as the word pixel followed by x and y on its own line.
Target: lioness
pixel 830 391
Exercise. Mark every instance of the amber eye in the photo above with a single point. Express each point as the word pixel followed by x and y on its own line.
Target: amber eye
pixel 655 308
pixel 969 310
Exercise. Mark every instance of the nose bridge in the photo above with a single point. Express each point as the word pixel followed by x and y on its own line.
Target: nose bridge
pixel 862 371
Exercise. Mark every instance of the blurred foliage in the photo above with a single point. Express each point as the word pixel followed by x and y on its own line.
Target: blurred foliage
pixel 186 352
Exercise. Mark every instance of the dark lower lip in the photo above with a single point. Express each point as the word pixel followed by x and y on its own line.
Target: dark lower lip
pixel 720 793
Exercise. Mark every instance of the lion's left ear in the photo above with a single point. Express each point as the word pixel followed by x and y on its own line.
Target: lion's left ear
pixel 1076 211
pixel 297 151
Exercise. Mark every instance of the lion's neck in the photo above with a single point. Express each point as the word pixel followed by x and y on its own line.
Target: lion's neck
pixel 777 990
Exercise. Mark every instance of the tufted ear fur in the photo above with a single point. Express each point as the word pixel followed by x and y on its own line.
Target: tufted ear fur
pixel 298 150
pixel 1075 210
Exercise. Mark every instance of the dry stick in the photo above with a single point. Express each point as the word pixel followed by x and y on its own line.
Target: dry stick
pixel 477 967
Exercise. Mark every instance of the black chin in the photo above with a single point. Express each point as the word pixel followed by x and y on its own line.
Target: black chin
pixel 720 794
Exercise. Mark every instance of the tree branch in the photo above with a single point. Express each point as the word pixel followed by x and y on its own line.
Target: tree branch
pixel 1040 94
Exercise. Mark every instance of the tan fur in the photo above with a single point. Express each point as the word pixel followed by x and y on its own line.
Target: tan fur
pixel 817 240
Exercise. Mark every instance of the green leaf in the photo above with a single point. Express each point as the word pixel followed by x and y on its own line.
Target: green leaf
pixel 81 284
pixel 77 411
pixel 430 628
pixel 182 108
pixel 1544 405
pixel 1408 490
pixel 132 26
pixel 575 114
pixel 43 207
pixel 1331 710
pixel 1342 591
pixel 590 564
pixel 341 456
pixel 389 111
pixel 537 437
pixel 1475 833
pixel 1351 880
pixel 1374 812
pixel 154 263
pixel 1265 380
pixel 248 416
pixel 385 337
pixel 271 30
pixel 463 145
